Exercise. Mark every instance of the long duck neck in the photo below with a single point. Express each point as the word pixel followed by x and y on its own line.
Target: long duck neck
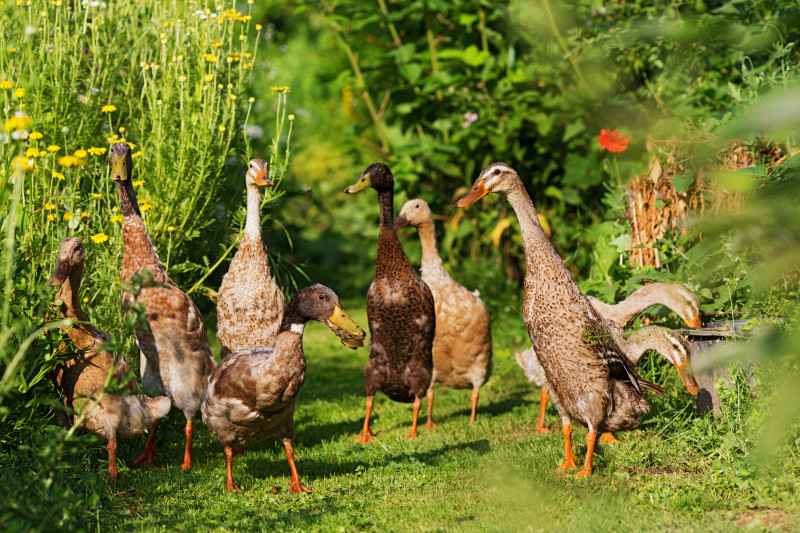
pixel 538 250
pixel 427 237
pixel 70 299
pixel 252 228
pixel 290 334
pixel 136 236
pixel 389 247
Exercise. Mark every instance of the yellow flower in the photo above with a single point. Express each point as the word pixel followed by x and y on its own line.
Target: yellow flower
pixel 144 207
pixel 137 183
pixel 70 161
pixel 218 44
pixel 211 58
pixel 97 238
pixel 96 195
pixel 68 216
pixel 258 27
pixel 84 215
pixel 133 146
pixel 116 280
pixel 108 108
pixel 122 129
pixel 171 228
pixel 35 135
pixel 181 79
pixel 97 151
pixel 80 152
pixel 23 164
pixel 232 96
pixel 222 128
pixel 32 152
pixel 137 154
pixel 116 218
pixel 5 84
pixel 291 117
pixel 279 89
pixel 51 216
pixel 242 37
pixel 209 77
pixel 20 121
pixel 220 86
pixel 19 92
pixel 53 148
pixel 85 299
pixel 59 176
pixel 49 207
pixel 251 100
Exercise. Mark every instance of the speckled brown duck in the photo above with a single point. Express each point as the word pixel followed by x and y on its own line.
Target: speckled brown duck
pixel 253 392
pixel 590 378
pixel 83 376
pixel 462 346
pixel 400 311
pixel 250 304
pixel 175 357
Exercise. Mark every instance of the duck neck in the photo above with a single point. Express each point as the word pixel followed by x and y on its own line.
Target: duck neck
pixel 136 237
pixel 427 237
pixel 252 228
pixel 292 327
pixel 128 202
pixel 70 299
pixel 537 245
pixel 392 260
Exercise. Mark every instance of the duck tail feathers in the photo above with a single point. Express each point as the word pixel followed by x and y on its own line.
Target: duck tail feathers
pixel 658 389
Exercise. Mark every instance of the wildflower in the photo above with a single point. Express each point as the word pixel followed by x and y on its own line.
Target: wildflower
pixel 136 155
pixel 5 84
pixel 85 299
pixel 51 216
pixel 181 79
pixel 97 151
pixel 83 99
pixel 159 102
pixel 70 161
pixel 291 117
pixel 171 228
pixel 209 78
pixel 242 37
pixel 96 195
pixel 251 99
pixel 122 129
pixel 84 215
pixel 137 183
pixel 128 143
pixel 80 152
pixel 613 141
pixel 49 207
pixel 232 96
pixel 108 108
pixel 218 44
pixel 97 238
pixel 19 122
pixel 68 216
pixel 469 118
pixel 32 152
pixel 19 92
pixel 179 58
pixel 58 175
pixel 282 89
pixel 53 148
pixel 35 135
pixel 145 206
pixel 258 27
pixel 211 58
pixel 23 164
pixel 116 218
pixel 220 86
pixel 222 128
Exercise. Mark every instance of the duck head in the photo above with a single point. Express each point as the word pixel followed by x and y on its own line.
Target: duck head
pixel 414 213
pixel 676 349
pixel 377 175
pixel 71 256
pixel 120 161
pixel 258 174
pixel 686 304
pixel 497 177
pixel 320 303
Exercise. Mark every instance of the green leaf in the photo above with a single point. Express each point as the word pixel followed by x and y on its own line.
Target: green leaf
pixel 623 242
pixel 682 182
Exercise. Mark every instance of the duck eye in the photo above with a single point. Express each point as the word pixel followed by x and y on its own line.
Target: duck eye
pixel 321 296
pixel 416 206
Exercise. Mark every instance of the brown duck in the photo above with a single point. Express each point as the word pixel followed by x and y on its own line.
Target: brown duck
pixel 400 311
pixel 462 346
pixel 84 375
pixel 672 295
pixel 253 392
pixel 175 357
pixel 591 380
pixel 250 304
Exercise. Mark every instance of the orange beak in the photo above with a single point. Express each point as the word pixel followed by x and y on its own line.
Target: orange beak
pixel 262 180
pixel 693 323
pixel 477 192
pixel 685 372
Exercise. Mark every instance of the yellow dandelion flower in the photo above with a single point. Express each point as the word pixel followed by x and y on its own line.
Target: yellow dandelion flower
pixel 53 148
pixel 32 152
pixel 133 146
pixel 19 122
pixel 23 164
pixel 136 155
pixel 145 207
pixel 58 175
pixel 242 37
pixel 97 238
pixel 49 207
pixel 19 92
pixel 251 100
pixel 222 128
pixel 97 151
pixel 209 77
pixel 81 153
pixel 51 216
pixel 68 216
pixel 137 183
pixel 245 18
pixel 181 79
pixel 282 89
pixel 5 84
pixel 220 86
pixel 179 58
pixel 211 58
pixel 84 215
pixel 70 161
pixel 85 299
pixel 218 44
pixel 171 228
pixel 35 135
pixel 232 96
pixel 108 108
pixel 247 54
pixel 96 195
pixel 258 27
pixel 122 129
pixel 116 218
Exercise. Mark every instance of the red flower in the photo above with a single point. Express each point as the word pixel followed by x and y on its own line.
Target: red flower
pixel 613 141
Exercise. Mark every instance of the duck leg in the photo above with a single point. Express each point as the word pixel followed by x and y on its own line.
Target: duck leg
pixel 413 433
pixel 475 394
pixel 540 427
pixel 296 487
pixel 591 437
pixel 366 432
pixel 229 484
pixel 429 424
pixel 569 457
pixel 608 438
pixel 187 453
pixel 146 457
pixel 112 460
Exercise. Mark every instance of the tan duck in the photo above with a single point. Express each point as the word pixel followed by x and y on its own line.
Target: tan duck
pixel 462 346
pixel 676 297
pixel 590 378
pixel 175 357
pixel 672 295
pixel 84 375
pixel 253 392
pixel 400 311
pixel 670 344
pixel 250 304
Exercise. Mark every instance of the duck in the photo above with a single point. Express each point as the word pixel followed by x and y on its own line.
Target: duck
pixel 400 314
pixel 673 295
pixel 618 317
pixel 253 392
pixel 175 358
pixel 591 380
pixel 250 304
pixel 672 346
pixel 84 376
pixel 462 345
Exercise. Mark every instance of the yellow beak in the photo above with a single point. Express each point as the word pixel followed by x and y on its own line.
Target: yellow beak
pixel 685 372
pixel 350 333
pixel 693 323
pixel 362 183
pixel 477 192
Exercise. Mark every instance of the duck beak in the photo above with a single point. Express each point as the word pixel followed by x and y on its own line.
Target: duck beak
pixel 685 372
pixel 351 334
pixel 262 179
pixel 60 275
pixel 693 323
pixel 400 222
pixel 477 192
pixel 363 182
pixel 119 168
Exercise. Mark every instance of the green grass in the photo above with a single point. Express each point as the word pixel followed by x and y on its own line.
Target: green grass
pixel 496 475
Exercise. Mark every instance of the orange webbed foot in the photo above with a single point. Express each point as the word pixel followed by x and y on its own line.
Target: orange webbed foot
pixel 113 475
pixel 230 485
pixel 186 464
pixel 411 435
pixel 583 473
pixel 568 464
pixel 542 430
pixel 365 438
pixel 298 488
pixel 430 425
pixel 608 438
pixel 145 459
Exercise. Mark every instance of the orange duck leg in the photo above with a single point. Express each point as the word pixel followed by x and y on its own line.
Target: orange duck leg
pixel 296 487
pixel 591 437
pixel 569 457
pixel 366 432
pixel 608 438
pixel 187 453
pixel 229 484
pixel 413 433
pixel 475 394
pixel 540 427
pixel 146 457
pixel 429 424
pixel 113 475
